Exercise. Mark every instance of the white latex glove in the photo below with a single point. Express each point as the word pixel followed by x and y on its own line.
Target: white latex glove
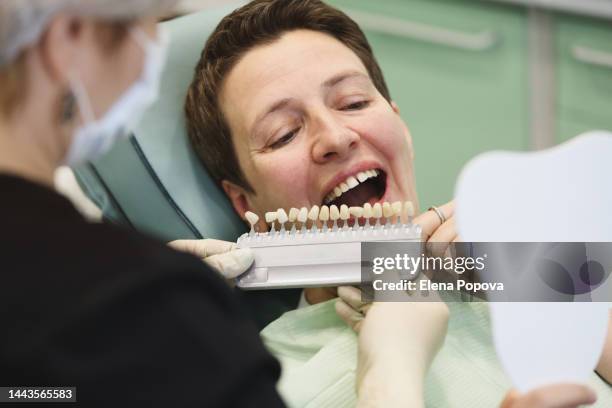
pixel 397 343
pixel 222 256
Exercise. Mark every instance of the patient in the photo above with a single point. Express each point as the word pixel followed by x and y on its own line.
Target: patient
pixel 287 102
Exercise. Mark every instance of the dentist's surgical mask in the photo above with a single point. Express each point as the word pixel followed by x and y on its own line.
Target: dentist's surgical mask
pixel 96 136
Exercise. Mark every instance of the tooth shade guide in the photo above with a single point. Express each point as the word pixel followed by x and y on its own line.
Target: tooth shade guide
pixel 377 210
pixel 324 213
pixel 408 212
pixel 377 213
pixel 352 233
pixel 396 207
pixel 352 220
pixel 270 219
pixel 356 212
pixel 282 216
pixel 334 215
pixel 252 219
pixel 387 210
pixel 293 260
pixel 367 213
pixel 293 213
pixel 313 214
pixel 301 220
pixel 387 214
pixel 344 215
pixel 324 216
pixel 270 216
pixel 302 214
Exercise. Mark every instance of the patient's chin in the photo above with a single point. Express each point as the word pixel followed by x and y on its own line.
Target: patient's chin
pixel 320 295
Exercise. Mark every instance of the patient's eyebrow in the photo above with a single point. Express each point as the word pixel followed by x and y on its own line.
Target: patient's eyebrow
pixel 276 106
pixel 335 80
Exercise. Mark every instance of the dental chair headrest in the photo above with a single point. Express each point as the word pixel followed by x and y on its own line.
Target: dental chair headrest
pixel 153 181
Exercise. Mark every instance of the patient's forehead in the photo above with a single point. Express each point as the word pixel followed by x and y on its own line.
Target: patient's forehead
pixel 294 66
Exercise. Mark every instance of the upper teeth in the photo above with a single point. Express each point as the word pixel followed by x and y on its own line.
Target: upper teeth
pixel 349 183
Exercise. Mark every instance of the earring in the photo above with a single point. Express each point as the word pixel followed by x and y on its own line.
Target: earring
pixel 68 107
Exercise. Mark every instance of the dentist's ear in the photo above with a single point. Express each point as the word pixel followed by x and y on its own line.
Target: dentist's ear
pixel 396 109
pixel 62 46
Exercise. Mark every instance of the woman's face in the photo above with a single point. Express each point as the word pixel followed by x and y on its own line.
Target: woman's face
pixel 109 71
pixel 305 118
pixel 85 53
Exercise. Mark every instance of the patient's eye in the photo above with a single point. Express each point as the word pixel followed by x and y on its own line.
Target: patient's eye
pixel 284 139
pixel 355 105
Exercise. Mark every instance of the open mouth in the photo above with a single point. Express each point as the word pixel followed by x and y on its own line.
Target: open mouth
pixel 364 187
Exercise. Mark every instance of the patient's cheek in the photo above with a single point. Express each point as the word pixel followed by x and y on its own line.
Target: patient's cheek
pixel 387 134
pixel 285 176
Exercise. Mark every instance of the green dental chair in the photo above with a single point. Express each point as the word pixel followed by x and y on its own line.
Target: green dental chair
pixel 154 183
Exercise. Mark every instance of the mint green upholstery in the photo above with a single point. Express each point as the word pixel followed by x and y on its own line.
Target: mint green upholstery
pixel 154 182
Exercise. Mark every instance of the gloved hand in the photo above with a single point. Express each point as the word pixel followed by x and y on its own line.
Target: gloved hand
pixel 222 256
pixel 551 396
pixel 397 343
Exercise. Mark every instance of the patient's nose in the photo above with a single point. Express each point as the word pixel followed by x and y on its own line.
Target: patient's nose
pixel 333 140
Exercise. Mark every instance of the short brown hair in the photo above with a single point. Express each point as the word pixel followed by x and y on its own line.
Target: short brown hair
pixel 258 23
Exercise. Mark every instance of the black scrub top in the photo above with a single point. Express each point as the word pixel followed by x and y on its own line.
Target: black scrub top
pixel 122 317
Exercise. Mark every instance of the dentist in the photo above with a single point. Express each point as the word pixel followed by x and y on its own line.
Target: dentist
pixel 125 319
